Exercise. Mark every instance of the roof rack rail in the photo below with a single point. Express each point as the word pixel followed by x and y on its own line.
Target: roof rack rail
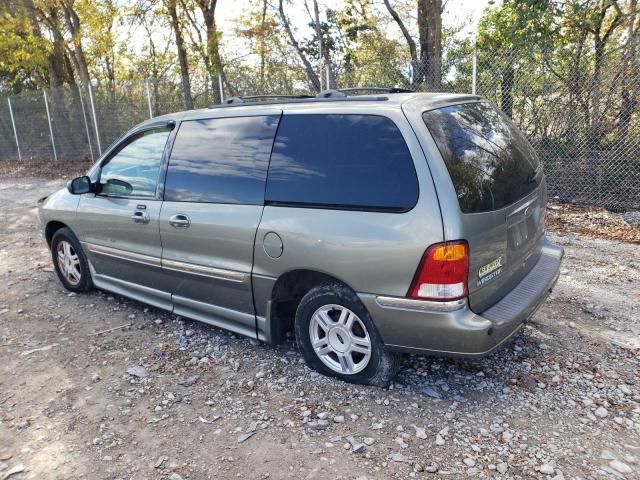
pixel 331 94
pixel 235 100
pixel 355 98
pixel 328 96
pixel 376 89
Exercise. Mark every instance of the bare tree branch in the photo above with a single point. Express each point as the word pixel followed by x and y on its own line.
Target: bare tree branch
pixel 314 81
pixel 405 32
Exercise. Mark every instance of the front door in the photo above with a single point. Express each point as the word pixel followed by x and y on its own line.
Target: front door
pixel 119 225
pixel 214 197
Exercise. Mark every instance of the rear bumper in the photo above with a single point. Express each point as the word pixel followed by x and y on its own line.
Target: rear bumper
pixel 452 328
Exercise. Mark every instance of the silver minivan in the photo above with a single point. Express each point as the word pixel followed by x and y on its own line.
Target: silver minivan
pixel 370 225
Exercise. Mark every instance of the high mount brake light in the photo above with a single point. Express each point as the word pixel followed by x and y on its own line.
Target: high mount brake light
pixel 442 273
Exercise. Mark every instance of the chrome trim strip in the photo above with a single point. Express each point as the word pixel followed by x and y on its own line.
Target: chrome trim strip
pixel 400 303
pixel 124 255
pixel 218 273
pixel 212 272
pixel 522 207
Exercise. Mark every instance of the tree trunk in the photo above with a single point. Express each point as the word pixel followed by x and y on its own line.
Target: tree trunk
pixel 109 66
pixel 111 78
pixel 56 62
pixel 156 97
pixel 57 67
pixel 427 64
pixel 155 111
pixel 208 9
pixel 629 95
pixel 182 54
pixel 262 46
pixel 596 131
pixel 323 53
pixel 430 35
pixel 73 24
pixel 506 91
pixel 600 39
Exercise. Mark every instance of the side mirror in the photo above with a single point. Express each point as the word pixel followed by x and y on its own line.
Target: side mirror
pixel 79 185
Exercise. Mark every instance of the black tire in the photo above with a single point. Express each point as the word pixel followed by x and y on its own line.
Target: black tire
pixel 383 364
pixel 84 283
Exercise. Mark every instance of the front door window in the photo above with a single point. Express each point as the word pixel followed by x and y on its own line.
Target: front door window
pixel 133 171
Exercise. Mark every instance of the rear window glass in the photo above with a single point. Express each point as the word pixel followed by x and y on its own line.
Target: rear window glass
pixel 341 161
pixel 221 160
pixel 490 162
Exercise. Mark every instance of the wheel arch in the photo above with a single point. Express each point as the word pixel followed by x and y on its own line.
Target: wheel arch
pixel 51 228
pixel 286 294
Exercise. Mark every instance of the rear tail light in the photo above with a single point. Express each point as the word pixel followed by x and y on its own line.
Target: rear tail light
pixel 442 273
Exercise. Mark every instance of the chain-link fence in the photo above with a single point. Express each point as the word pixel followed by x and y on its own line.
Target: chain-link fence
pixel 584 125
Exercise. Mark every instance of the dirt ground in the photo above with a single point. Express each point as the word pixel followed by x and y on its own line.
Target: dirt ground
pixel 96 386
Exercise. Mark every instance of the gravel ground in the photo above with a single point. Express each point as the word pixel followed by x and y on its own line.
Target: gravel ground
pixel 95 386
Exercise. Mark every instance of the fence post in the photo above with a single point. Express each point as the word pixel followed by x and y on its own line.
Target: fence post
pixel 95 120
pixel 86 125
pixel 149 98
pixel 220 87
pixel 327 75
pixel 53 143
pixel 15 132
pixel 474 71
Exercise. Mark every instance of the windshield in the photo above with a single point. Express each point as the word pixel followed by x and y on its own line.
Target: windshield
pixel 490 162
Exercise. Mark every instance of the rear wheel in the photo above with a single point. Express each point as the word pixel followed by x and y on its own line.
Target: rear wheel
pixel 70 261
pixel 338 338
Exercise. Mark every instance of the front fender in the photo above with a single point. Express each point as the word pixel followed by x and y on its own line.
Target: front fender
pixel 60 207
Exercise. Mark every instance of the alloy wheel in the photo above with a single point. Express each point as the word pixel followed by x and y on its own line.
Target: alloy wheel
pixel 69 263
pixel 340 339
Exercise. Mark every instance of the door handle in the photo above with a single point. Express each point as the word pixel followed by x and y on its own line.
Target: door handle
pixel 179 220
pixel 140 217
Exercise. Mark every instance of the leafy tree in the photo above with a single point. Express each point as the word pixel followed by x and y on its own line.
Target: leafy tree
pixel 24 54
pixel 272 67
pixel 370 57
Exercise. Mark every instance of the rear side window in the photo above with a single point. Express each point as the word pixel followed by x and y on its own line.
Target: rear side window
pixel 490 162
pixel 221 160
pixel 341 161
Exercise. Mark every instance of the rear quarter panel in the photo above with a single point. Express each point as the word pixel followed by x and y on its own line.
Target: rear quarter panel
pixel 372 252
pixel 486 232
pixel 450 208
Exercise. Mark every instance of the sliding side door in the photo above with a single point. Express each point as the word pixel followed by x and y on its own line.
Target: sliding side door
pixel 213 202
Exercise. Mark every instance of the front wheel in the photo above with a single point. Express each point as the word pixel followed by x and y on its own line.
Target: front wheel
pixel 337 337
pixel 70 262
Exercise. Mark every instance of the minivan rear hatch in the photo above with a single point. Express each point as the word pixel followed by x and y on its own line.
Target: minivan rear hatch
pixel 498 180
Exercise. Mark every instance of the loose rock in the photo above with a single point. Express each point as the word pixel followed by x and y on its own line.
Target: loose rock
pixel 138 371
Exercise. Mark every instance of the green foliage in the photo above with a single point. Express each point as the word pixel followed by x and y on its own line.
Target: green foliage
pixel 518 23
pixel 23 56
pixel 369 56
pixel 271 66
